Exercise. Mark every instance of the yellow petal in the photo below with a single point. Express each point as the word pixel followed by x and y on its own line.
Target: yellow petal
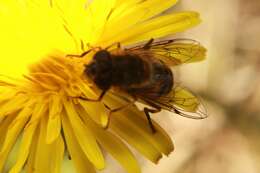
pixel 6 80
pixel 4 127
pixel 187 22
pixel 158 27
pixel 100 116
pixel 25 147
pixel 54 122
pixel 74 19
pixel 43 155
pixel 136 121
pixel 13 105
pixel 79 159
pixel 47 154
pixel 58 154
pixel 122 7
pixel 84 137
pixel 119 3
pixel 160 139
pixel 11 135
pixel 28 135
pixel 135 14
pixel 134 137
pixel 100 11
pixel 6 94
pixel 30 163
pixel 113 145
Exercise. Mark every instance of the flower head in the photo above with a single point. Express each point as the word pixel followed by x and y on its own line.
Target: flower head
pixel 39 83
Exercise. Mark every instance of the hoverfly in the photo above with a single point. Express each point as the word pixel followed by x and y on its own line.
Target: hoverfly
pixel 144 73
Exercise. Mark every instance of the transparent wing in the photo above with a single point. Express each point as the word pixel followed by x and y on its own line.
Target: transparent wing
pixel 174 51
pixel 180 101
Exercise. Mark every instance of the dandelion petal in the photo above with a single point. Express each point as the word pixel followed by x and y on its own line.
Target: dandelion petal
pixel 169 25
pixel 160 140
pixel 25 147
pixel 12 133
pixel 45 152
pixel 30 163
pixel 79 159
pixel 158 27
pixel 132 125
pixel 85 137
pixel 135 138
pixel 113 145
pixel 28 136
pixel 101 116
pixel 54 122
pixel 58 154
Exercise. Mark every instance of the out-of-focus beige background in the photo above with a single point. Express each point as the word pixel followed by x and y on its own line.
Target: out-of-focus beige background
pixel 229 83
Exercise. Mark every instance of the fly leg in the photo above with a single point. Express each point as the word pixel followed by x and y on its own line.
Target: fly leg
pixel 130 103
pixel 100 97
pixel 84 52
pixel 147 111
pixel 148 44
pixel 81 55
pixel 118 45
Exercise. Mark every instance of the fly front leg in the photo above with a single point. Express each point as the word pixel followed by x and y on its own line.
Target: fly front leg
pixel 118 45
pixel 79 56
pixel 93 100
pixel 148 44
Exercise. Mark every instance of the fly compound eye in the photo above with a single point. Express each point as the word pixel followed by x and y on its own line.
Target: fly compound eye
pixel 102 55
pixel 91 69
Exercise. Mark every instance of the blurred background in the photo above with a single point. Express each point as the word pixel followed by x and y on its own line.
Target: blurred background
pixel 229 84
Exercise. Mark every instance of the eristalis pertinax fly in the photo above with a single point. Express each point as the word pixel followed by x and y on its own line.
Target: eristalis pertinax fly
pixel 143 72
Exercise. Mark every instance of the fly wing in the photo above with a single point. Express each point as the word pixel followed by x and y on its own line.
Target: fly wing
pixel 174 51
pixel 180 101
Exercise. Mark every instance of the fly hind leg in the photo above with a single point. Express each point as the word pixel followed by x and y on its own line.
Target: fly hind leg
pixel 130 103
pixel 148 44
pixel 147 111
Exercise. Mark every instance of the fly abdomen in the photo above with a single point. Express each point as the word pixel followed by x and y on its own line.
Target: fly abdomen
pixel 160 82
pixel 162 78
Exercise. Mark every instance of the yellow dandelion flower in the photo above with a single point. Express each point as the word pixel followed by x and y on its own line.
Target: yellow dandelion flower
pixel 39 85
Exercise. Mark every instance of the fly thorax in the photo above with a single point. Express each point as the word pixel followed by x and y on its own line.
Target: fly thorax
pixel 128 70
pixel 100 69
